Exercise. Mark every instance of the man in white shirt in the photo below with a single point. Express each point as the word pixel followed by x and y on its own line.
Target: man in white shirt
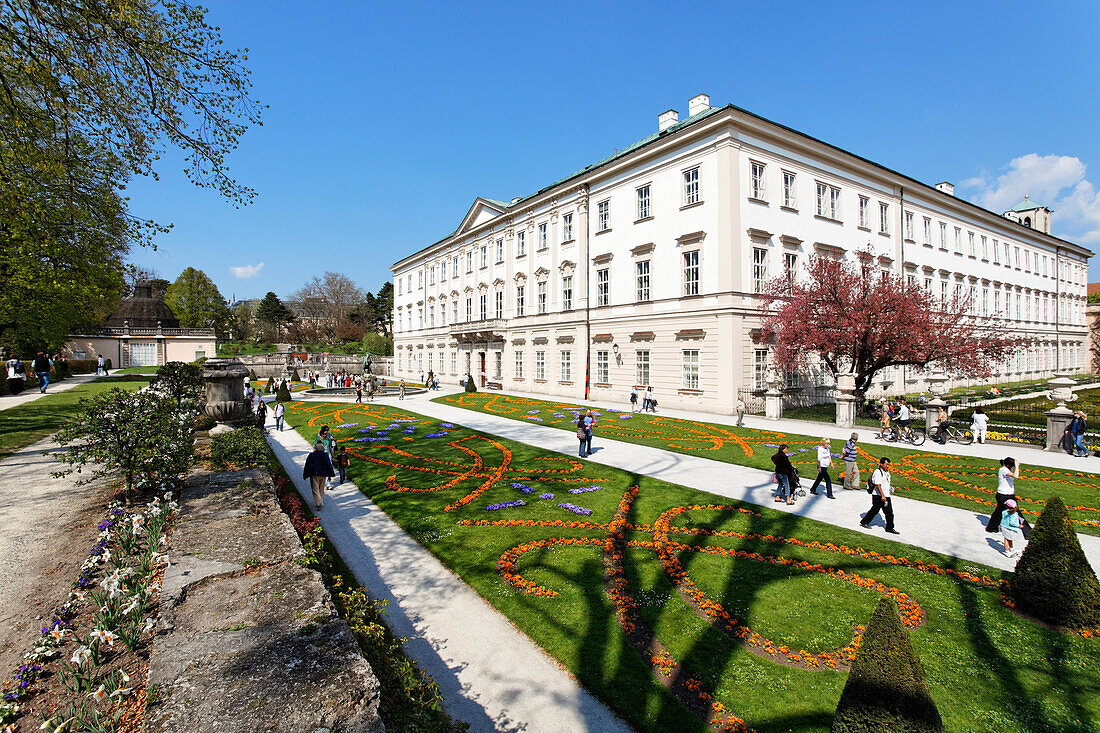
pixel 824 463
pixel 740 408
pixel 880 497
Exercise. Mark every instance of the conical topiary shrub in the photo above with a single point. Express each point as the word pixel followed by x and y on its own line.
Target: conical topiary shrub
pixel 283 394
pixel 470 386
pixel 886 689
pixel 295 375
pixel 1053 580
pixel 252 375
pixel 270 385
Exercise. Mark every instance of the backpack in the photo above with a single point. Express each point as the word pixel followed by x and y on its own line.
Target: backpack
pixel 582 434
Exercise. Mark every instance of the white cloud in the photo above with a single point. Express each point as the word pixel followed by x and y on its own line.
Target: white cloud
pixel 1056 181
pixel 246 271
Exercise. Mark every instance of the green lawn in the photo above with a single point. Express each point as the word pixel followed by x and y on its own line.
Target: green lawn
pixel 1031 411
pixel 136 370
pixel 1029 385
pixel 967 483
pixel 597 591
pixel 25 424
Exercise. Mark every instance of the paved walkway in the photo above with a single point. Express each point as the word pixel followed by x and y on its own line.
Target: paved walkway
pixel 951 531
pixel 31 393
pixel 491 675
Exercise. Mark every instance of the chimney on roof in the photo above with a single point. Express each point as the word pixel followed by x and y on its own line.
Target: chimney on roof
pixel 667 119
pixel 948 188
pixel 698 103
pixel 515 199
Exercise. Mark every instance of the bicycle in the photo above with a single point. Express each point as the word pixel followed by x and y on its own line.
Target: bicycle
pixel 909 435
pixel 962 437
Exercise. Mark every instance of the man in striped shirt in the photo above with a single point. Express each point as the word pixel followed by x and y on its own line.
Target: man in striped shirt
pixel 851 468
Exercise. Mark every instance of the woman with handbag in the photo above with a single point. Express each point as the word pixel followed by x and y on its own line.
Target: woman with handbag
pixel 783 471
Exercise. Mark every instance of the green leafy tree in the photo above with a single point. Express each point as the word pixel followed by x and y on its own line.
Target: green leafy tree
pixel 242 323
pixel 383 308
pixel 886 689
pixel 273 314
pixel 197 302
pixel 1053 580
pixel 180 382
pixel 138 435
pixel 377 344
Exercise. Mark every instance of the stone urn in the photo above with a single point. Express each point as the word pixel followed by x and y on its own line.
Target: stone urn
pixel 225 401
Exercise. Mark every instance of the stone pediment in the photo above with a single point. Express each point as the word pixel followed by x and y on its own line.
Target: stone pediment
pixel 481 211
pixel 567 267
pixel 541 273
pixel 519 277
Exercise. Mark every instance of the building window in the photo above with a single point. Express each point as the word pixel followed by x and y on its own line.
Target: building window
pixel 419 279
pixel 500 250
pixel 498 364
pixel 602 371
pixel 483 306
pixel 958 240
pixel 543 243
pixel 567 293
pixel 756 182
pixel 468 356
pixel 985 250
pixel 431 275
pixel 443 314
pixel 521 243
pixel 642 281
pixel 790 268
pixel 691 186
pixel 519 300
pixel 690 367
pixel 943 236
pixel 1016 250
pixel 996 253
pixel 567 366
pixel 454 266
pixel 828 201
pixel 927 231
pixel 420 318
pixel 883 218
pixel 500 304
pixel 970 244
pixel 518 371
pixel 567 227
pixel 603 286
pixel 643 202
pixel 865 212
pixel 454 312
pixel 484 256
pixel 469 309
pixel 641 367
pixel 759 269
pixel 909 226
pixel 541 297
pixel 470 261
pixel 399 283
pixel 540 365
pixel 1007 263
pixel 603 216
pixel 691 273
pixel 431 316
pixel 760 369
pixel 789 198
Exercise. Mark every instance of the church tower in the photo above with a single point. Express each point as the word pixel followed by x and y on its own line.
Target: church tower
pixel 1030 214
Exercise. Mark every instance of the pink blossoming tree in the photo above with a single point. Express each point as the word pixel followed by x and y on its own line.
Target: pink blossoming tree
pixel 856 317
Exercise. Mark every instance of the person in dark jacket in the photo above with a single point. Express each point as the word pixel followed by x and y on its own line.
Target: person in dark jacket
pixel 1079 427
pixel 783 471
pixel 318 469
pixel 42 366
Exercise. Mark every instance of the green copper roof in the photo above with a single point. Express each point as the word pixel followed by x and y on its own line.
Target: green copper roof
pixel 1027 205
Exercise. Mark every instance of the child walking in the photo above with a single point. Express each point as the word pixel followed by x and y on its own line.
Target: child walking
pixel 342 463
pixel 1010 529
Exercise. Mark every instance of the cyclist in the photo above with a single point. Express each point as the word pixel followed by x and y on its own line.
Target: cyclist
pixel 903 420
pixel 884 422
pixel 941 426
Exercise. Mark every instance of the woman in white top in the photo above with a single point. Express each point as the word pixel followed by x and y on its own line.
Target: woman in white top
pixel 978 423
pixel 1006 489
pixel 824 463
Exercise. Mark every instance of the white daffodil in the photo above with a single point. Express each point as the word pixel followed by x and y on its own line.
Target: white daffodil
pixel 150 624
pixel 122 691
pixel 99 695
pixel 81 655
pixel 59 634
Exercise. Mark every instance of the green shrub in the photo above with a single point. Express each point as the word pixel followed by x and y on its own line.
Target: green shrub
pixel 1053 580
pixel 252 375
pixel 244 447
pixel 295 375
pixel 886 689
pixel 470 386
pixel 81 366
pixel 202 422
pixel 283 395
pixel 4 388
pixel 270 385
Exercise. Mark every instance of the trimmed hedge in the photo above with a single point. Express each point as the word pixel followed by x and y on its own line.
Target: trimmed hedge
pixel 1053 580
pixel 886 689
pixel 86 366
pixel 470 386
pixel 243 447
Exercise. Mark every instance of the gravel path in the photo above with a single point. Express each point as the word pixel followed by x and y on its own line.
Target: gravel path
pixel 47 525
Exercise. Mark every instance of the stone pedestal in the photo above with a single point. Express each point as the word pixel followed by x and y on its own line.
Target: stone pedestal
pixel 932 414
pixel 846 400
pixel 1058 420
pixel 773 404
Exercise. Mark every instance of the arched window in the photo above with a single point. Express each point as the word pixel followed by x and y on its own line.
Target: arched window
pixel 1027 221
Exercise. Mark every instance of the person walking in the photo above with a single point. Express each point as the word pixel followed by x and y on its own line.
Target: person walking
pixel 401 390
pixel 884 421
pixel 582 437
pixel 324 437
pixel 979 421
pixel 739 408
pixel 1006 491
pixel 589 422
pixel 318 470
pixel 783 471
pixel 359 392
pixel 650 403
pixel 342 460
pixel 42 366
pixel 824 463
pixel 881 491
pixel 99 366
pixel 850 456
pixel 17 374
pixel 633 399
pixel 1080 426
pixel 1010 529
pixel 278 413
pixel 261 413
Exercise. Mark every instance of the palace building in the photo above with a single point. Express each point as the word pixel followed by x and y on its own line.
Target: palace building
pixel 644 268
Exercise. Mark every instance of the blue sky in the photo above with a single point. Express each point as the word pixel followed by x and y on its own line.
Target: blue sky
pixel 387 119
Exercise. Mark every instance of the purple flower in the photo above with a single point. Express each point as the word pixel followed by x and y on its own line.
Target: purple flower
pixel 505 505
pixel 537 419
pixel 366 429
pixel 445 425
pixel 770 445
pixel 585 489
pixel 546 496
pixel 523 487
pixel 533 412
pixel 437 435
pixel 575 509
pixel 625 417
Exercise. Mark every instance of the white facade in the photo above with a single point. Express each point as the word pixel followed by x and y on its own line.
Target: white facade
pixel 642 269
